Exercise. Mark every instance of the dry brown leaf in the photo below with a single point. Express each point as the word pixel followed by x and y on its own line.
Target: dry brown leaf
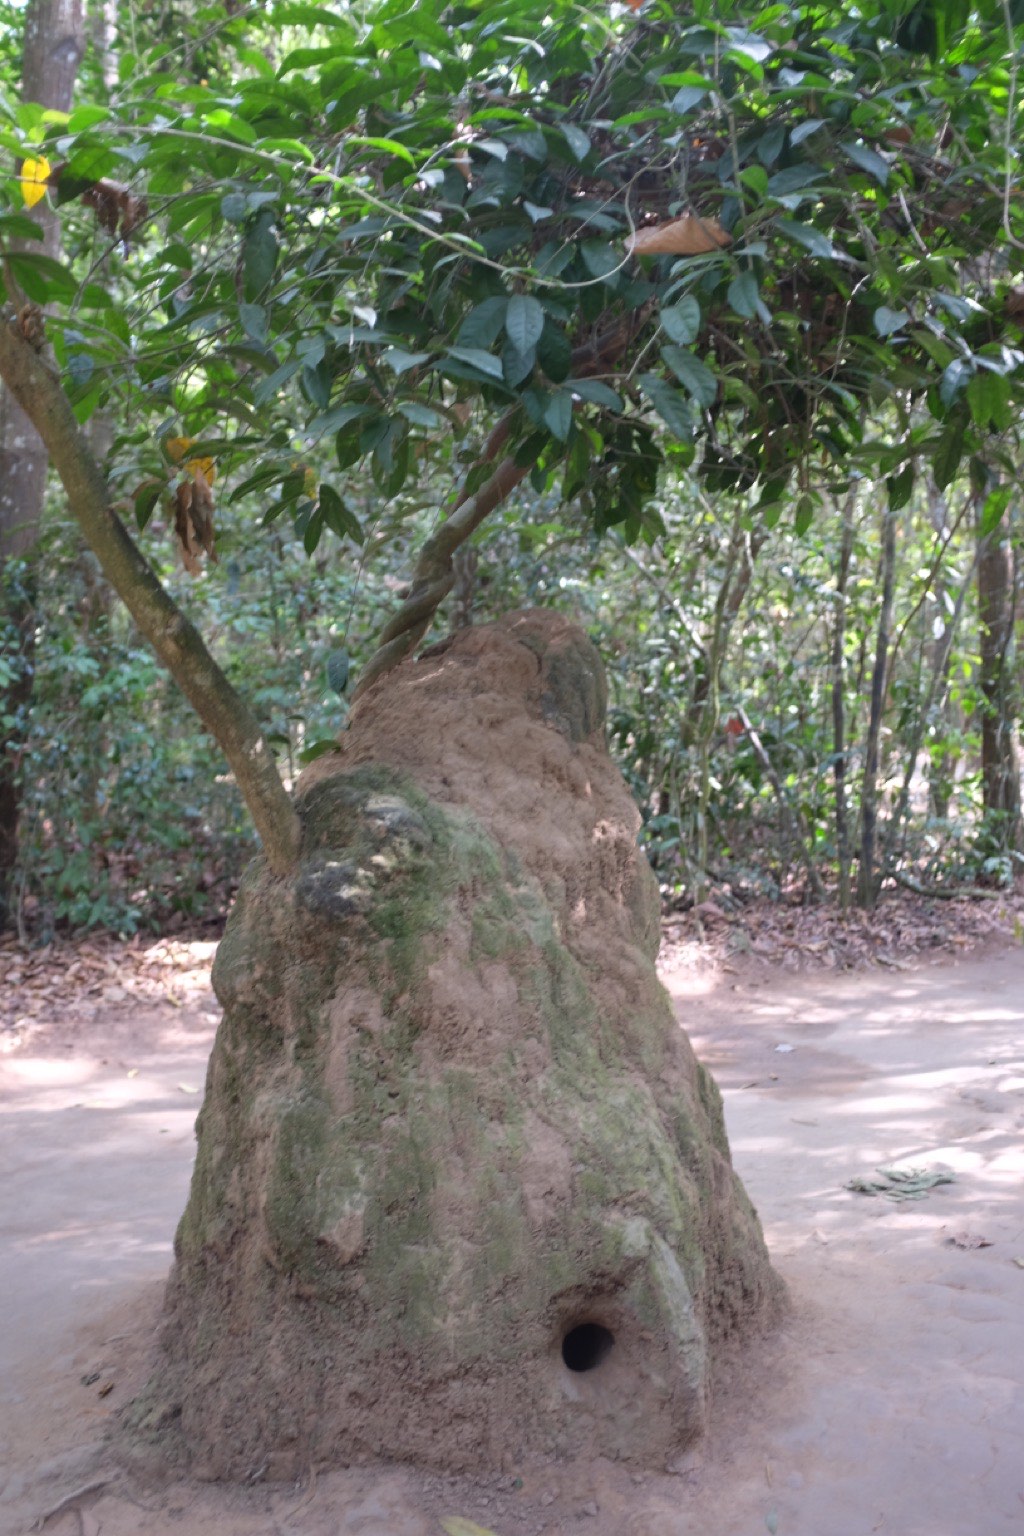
pixel 686 236
pixel 193 521
pixel 968 1240
pixel 202 512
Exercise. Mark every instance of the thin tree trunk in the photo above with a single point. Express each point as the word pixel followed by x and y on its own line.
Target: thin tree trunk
pixel 792 817
pixel 1000 759
pixel 704 706
pixel 839 708
pixel 103 26
pixel 867 884
pixel 53 45
pixel 942 768
pixel 934 696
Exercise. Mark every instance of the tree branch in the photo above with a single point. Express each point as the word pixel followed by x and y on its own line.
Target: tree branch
pixel 176 641
pixel 434 576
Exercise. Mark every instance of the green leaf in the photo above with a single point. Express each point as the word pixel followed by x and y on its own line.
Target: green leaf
pixel 313 530
pixel 400 361
pixel 673 407
pixel 387 146
pixel 455 1525
pixel 996 503
pixel 421 415
pixel 948 453
pixel 319 749
pixel 869 160
pixel 146 498
pixel 804 130
pixel 954 379
pixel 259 255
pixel 576 139
pixel 554 352
pixel 482 326
pixel 804 515
pixel 694 375
pixel 485 362
pixel 745 298
pixel 887 321
pixel 338 668
pixel 18 226
pixel 40 278
pixel 681 321
pixel 233 207
pixel 557 414
pixel 524 322
pixel 813 240
pixel 255 321
pixel 600 260
pixel 988 399
pixel 339 418
pixel 338 517
pixel 595 392
pixel 517 366
pixel 267 388
pixel 901 487
pixel 87 117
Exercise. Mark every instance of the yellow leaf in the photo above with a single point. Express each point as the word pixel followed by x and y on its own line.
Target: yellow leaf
pixel 177 447
pixel 33 178
pixel 204 467
pixel 456 1526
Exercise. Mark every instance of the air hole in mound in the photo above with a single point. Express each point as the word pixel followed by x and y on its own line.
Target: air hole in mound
pixel 586 1345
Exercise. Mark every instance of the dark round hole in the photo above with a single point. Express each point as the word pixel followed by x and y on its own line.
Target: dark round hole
pixel 586 1345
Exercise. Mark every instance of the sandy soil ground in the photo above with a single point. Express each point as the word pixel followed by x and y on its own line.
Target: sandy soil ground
pixel 890 1401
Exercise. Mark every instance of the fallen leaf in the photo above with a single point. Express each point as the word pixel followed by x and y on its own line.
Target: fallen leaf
pixel 968 1240
pixel 184 1088
pixel 456 1526
pixel 1019 1263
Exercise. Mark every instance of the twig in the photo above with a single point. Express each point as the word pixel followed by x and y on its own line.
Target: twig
pixel 941 893
pixel 69 1501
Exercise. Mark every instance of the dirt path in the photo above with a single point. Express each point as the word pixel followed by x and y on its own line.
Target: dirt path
pixel 891 1401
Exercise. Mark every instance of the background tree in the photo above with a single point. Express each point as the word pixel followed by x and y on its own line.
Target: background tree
pixel 54 32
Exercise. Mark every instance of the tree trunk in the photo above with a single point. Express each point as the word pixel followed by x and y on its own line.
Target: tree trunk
pixel 943 759
pixel 839 708
pixel 52 51
pixel 867 883
pixel 1000 759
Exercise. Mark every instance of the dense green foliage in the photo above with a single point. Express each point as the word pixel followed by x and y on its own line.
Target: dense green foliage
pixel 129 817
pixel 435 201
